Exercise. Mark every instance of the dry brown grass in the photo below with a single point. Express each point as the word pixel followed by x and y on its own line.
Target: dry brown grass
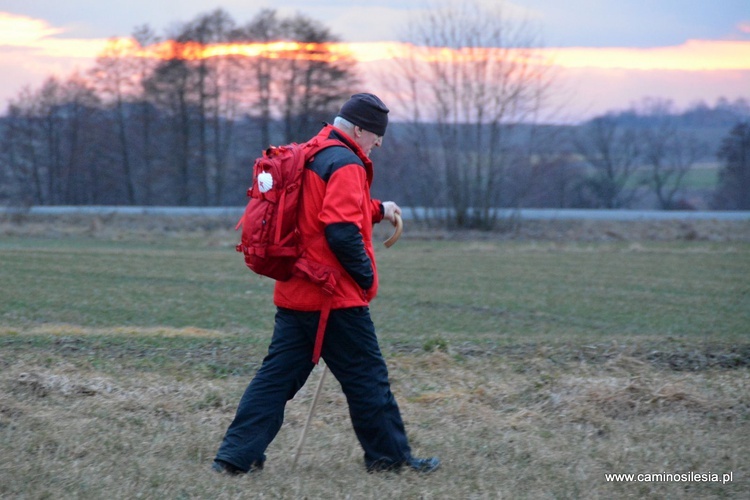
pixel 529 422
pixel 560 381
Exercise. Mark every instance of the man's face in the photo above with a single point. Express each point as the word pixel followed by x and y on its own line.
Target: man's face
pixel 367 140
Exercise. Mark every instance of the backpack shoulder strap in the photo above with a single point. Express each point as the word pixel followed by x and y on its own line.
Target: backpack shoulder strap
pixel 317 144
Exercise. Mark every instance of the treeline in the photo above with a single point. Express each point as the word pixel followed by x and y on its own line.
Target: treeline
pixel 638 158
pixel 163 122
pixel 160 123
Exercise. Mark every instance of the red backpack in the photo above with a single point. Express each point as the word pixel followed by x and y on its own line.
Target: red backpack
pixel 270 239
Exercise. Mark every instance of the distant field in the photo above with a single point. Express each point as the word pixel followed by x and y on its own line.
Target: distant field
pixel 532 368
pixel 702 177
pixel 468 292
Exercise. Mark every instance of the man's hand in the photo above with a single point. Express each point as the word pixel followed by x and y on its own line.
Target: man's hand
pixel 390 209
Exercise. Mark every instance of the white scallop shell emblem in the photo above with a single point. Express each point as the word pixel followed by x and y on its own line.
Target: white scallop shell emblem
pixel 265 182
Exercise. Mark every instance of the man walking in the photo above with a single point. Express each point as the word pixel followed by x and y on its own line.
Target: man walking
pixel 335 225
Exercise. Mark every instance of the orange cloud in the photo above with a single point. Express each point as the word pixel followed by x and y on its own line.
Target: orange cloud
pixel 273 50
pixel 32 49
pixel 693 55
pixel 21 30
pixel 361 52
pixel 37 35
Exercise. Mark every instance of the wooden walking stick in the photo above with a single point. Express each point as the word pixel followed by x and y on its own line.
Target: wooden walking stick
pixel 396 234
pixel 388 244
pixel 309 417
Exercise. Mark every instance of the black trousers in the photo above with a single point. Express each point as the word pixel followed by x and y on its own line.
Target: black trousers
pixel 351 351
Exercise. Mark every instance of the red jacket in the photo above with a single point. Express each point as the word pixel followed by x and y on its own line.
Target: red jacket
pixel 335 224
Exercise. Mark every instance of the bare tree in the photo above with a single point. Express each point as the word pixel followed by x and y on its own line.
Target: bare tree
pixel 21 140
pixel 216 27
pixel 79 109
pixel 668 152
pixel 470 70
pixel 161 117
pixel 313 82
pixel 263 29
pixel 612 151
pixel 300 82
pixel 171 88
pixel 53 146
pixel 145 118
pixel 548 174
pixel 115 78
pixel 733 191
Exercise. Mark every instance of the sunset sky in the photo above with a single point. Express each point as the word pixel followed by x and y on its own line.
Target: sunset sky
pixel 609 54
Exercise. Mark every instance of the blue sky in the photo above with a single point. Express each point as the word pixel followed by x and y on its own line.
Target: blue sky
pixel 611 54
pixel 589 23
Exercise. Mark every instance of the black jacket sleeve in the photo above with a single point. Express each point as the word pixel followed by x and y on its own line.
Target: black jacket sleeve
pixel 347 245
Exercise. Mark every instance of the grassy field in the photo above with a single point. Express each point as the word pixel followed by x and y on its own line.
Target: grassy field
pixel 704 176
pixel 533 369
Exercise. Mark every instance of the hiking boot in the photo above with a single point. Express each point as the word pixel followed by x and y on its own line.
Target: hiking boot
pixel 424 465
pixel 421 465
pixel 223 467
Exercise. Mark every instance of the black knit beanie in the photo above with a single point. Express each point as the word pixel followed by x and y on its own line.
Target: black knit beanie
pixel 366 111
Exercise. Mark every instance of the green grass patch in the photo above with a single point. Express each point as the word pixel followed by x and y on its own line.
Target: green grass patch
pixel 701 177
pixel 532 369
pixel 460 292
